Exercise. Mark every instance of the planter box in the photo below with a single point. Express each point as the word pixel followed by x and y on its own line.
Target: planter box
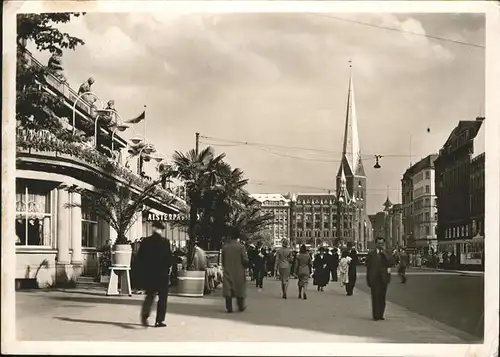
pixel 121 256
pixel 190 284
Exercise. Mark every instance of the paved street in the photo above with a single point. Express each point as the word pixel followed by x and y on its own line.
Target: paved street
pixel 330 316
pixel 453 299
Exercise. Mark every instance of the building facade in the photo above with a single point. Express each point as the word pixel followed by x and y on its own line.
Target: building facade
pixel 389 224
pixel 419 209
pixel 279 206
pixel 314 219
pixel 57 236
pixel 460 194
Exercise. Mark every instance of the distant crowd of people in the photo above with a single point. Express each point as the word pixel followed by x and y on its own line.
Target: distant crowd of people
pixel 285 263
pixel 154 269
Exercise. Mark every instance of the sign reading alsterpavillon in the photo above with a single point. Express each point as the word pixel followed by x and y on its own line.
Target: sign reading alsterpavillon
pixel 164 217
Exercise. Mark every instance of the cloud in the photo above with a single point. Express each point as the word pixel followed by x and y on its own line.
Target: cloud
pixel 282 79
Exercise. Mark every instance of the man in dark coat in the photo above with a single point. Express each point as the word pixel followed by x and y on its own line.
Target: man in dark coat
pixel 153 261
pixel 234 262
pixel 334 263
pixel 378 276
pixel 352 272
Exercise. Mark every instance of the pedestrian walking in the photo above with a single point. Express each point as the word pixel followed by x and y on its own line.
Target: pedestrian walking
pixel 270 262
pixel 260 268
pixel 344 263
pixel 153 261
pixel 303 270
pixel 283 265
pixel 352 271
pixel 334 263
pixel 321 272
pixel 453 260
pixel 403 264
pixel 378 276
pixel 234 262
pixel 293 265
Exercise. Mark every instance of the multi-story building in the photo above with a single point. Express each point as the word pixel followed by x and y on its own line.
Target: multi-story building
pixel 57 235
pixel 419 211
pixel 460 194
pixel 389 224
pixel 279 206
pixel 314 218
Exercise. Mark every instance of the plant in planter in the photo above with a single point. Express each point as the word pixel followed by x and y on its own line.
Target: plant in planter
pixel 215 193
pixel 118 205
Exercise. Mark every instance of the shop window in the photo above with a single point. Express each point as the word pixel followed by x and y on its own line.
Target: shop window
pixel 33 217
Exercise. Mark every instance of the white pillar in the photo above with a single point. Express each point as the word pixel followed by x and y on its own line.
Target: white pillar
pixel 63 233
pixel 95 234
pixel 46 231
pixel 76 228
pixel 105 233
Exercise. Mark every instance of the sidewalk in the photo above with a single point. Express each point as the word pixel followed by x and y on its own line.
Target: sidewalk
pixel 328 316
pixel 463 272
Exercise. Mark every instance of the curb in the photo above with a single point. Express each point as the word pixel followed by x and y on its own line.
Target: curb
pixel 462 272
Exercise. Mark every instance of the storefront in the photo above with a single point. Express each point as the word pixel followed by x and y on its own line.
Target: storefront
pixel 468 251
pixel 57 237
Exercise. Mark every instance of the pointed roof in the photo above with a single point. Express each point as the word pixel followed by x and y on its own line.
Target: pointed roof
pixel 351 152
pixel 351 149
pixel 343 193
pixel 387 204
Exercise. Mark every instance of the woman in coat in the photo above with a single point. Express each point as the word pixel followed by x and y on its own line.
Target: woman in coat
pixel 282 265
pixel 321 270
pixel 303 270
pixel 344 263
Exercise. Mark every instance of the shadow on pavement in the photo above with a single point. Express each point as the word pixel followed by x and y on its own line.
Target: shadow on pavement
pixel 96 322
pixel 319 316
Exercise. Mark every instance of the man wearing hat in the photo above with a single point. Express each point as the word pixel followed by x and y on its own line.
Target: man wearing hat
pixel 154 260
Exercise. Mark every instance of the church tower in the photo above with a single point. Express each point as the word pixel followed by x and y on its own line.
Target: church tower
pixel 351 180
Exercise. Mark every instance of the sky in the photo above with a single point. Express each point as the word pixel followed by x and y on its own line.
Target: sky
pixel 281 79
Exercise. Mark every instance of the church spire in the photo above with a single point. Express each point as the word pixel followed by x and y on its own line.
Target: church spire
pixel 351 153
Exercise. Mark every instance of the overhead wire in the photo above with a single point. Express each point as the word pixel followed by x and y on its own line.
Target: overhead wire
pixel 271 184
pixel 439 38
pixel 257 144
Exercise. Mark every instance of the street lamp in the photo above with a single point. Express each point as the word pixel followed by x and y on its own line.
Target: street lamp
pixel 100 113
pixel 120 127
pixel 79 98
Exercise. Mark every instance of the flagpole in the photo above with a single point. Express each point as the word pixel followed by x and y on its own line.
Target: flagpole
pixel 144 121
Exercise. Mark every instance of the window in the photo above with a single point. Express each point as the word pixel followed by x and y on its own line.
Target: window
pixel 427 216
pixel 427 174
pixel 427 230
pixel 89 227
pixel 427 189
pixel 33 216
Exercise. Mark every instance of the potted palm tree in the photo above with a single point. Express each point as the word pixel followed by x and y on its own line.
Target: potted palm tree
pixel 215 194
pixel 119 206
pixel 198 172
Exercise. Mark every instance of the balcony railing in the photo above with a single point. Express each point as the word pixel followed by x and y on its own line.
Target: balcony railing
pixel 62 87
pixel 45 141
